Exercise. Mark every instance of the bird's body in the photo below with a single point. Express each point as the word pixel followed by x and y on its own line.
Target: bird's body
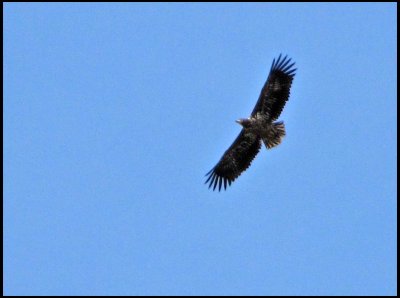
pixel 260 125
pixel 258 128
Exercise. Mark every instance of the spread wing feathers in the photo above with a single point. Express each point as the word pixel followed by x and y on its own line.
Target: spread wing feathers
pixel 235 160
pixel 276 89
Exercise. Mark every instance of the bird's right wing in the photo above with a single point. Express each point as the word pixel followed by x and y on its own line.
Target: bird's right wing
pixel 235 160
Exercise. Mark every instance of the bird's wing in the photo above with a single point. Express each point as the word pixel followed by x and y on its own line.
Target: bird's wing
pixel 235 160
pixel 276 89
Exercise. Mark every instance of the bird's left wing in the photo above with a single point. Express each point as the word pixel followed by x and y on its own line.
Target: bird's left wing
pixel 235 160
pixel 276 89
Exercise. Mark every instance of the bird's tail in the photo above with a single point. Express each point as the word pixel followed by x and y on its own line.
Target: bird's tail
pixel 275 135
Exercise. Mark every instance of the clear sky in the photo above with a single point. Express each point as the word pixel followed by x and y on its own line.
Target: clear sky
pixel 113 113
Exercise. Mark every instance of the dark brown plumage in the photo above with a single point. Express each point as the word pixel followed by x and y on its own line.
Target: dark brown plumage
pixel 258 128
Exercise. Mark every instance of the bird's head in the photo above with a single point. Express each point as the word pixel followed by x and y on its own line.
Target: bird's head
pixel 245 122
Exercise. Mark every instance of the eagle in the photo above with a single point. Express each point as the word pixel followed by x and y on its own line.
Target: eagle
pixel 258 128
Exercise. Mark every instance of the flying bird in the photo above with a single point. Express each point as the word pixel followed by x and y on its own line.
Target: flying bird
pixel 258 128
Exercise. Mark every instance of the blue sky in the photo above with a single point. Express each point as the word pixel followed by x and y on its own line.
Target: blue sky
pixel 113 113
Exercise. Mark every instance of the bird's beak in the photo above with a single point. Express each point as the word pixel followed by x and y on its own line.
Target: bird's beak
pixel 239 121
